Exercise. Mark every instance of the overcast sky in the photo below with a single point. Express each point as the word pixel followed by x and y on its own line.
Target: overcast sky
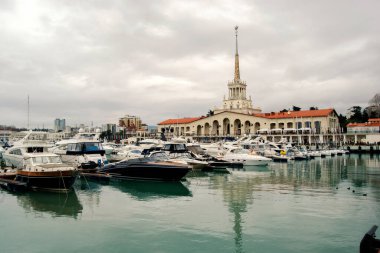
pixel 99 60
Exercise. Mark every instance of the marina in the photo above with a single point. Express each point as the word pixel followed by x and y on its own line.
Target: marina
pixel 168 126
pixel 299 204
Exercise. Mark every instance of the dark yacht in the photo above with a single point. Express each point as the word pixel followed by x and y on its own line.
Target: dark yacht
pixel 146 168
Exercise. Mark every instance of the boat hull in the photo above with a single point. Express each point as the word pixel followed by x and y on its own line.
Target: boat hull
pixel 51 180
pixel 256 162
pixel 156 171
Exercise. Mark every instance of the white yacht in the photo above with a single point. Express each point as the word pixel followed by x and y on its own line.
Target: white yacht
pixel 2 150
pixel 82 154
pixel 33 142
pixel 178 152
pixel 246 157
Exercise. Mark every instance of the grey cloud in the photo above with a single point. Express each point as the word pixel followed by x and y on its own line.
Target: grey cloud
pixel 96 60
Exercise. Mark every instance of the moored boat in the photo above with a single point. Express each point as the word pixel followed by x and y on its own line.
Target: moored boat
pixel 146 169
pixel 45 171
pixel 246 157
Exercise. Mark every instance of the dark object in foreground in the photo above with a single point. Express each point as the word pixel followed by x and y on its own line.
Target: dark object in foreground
pixel 12 185
pixel 146 169
pixel 369 243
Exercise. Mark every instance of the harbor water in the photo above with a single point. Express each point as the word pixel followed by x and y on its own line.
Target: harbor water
pixel 321 205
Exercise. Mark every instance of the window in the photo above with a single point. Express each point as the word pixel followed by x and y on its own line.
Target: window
pixel 317 126
pixel 16 152
pixel 46 159
pixel 35 149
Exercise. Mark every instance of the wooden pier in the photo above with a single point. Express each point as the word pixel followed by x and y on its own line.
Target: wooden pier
pixel 8 183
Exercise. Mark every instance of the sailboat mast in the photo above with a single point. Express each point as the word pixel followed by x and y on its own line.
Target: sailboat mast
pixel 28 114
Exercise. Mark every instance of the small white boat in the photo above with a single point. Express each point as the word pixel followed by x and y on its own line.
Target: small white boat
pixel 315 154
pixel 246 157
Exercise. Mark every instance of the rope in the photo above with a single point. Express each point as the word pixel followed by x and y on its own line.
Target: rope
pixel 85 179
pixel 63 181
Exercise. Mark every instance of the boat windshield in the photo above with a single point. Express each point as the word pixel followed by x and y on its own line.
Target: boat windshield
pixel 46 159
pixel 92 146
pixel 183 156
pixel 159 156
pixel 240 151
pixel 196 149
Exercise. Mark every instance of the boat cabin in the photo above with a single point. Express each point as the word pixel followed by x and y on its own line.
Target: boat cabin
pixel 175 148
pixel 81 148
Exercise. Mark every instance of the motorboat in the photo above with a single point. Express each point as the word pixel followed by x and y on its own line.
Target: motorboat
pixel 2 150
pixel 314 154
pixel 84 154
pixel 147 168
pixel 281 158
pixel 214 149
pixel 14 156
pixel 187 159
pixel 297 154
pixel 214 163
pixel 45 171
pixel 246 157
pixel 178 152
pixel 325 153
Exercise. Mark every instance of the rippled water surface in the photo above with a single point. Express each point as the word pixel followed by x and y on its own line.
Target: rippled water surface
pixel 294 207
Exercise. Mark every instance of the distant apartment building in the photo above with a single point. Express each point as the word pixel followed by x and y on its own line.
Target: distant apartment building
pixel 131 123
pixel 109 127
pixel 59 125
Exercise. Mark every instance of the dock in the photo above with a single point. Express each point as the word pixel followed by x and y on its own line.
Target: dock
pixel 8 183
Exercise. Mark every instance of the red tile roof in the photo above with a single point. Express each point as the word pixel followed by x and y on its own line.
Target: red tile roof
pixel 179 121
pixel 367 124
pixel 295 114
pixel 374 120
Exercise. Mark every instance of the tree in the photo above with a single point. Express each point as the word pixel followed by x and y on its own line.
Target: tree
pixel 375 101
pixel 313 108
pixel 343 122
pixel 210 113
pixel 356 115
pixel 296 108
pixel 373 110
pixel 284 110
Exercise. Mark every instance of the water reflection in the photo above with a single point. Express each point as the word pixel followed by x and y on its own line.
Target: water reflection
pixel 145 190
pixel 56 204
pixel 239 188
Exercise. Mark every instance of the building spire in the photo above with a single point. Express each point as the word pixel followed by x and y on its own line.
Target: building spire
pixel 237 70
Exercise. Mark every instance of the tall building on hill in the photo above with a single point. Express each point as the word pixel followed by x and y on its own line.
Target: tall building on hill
pixel 237 100
pixel 59 125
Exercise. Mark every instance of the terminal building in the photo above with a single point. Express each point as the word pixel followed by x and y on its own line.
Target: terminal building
pixel 237 116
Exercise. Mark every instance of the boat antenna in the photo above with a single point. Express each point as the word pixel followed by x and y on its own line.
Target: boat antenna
pixel 28 114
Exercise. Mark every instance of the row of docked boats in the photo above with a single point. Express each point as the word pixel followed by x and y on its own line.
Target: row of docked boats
pixel 43 165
